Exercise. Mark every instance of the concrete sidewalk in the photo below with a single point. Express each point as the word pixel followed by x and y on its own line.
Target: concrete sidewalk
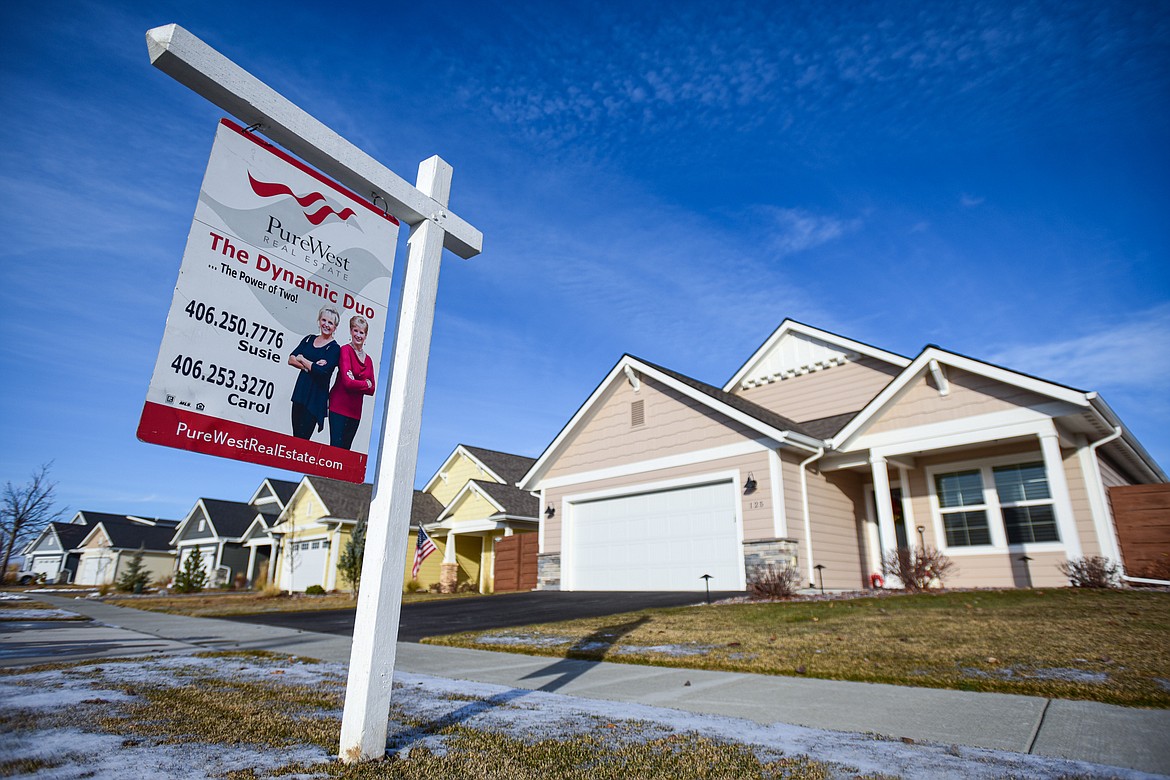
pixel 1081 731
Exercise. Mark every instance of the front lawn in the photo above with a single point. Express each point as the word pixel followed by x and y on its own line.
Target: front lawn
pixel 223 603
pixel 1107 646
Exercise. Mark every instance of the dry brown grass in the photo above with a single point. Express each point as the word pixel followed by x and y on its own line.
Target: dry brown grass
pixel 1104 646
pixel 207 709
pixel 223 603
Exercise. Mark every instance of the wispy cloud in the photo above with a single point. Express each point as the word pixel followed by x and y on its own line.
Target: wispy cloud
pixel 1132 354
pixel 797 230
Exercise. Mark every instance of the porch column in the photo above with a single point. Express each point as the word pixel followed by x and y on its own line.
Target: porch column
pixel 252 565
pixel 885 509
pixel 908 506
pixel 449 568
pixel 1058 486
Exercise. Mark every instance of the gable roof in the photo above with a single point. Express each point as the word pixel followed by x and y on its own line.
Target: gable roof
pixel 795 348
pixel 501 466
pixel 507 500
pixel 282 489
pixel 230 519
pixel 342 500
pixel 424 508
pixel 762 420
pixel 125 534
pixel 1101 419
pixel 68 535
pixel 509 468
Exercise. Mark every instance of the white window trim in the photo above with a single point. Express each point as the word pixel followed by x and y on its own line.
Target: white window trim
pixel 991 506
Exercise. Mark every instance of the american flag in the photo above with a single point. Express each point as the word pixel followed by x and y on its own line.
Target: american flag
pixel 422 548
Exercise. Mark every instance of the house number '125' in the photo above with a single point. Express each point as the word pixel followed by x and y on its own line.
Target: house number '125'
pixel 755 505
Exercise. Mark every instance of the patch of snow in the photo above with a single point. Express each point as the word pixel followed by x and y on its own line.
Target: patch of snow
pixel 39 614
pixel 1063 675
pixel 9 596
pixel 438 702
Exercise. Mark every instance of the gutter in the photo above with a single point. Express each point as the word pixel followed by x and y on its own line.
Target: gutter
pixel 820 453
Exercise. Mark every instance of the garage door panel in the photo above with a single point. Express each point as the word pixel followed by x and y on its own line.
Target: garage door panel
pixel 664 540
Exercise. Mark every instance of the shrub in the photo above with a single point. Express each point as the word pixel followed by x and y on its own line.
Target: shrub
pixel 769 581
pixel 135 577
pixel 271 592
pixel 918 568
pixel 1091 572
pixel 413 586
pixel 314 590
pixel 192 577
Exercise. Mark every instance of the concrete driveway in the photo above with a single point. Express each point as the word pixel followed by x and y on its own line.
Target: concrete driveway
pixel 504 610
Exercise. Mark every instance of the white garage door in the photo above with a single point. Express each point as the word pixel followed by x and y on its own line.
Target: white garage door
pixel 304 564
pixel 48 565
pixel 663 540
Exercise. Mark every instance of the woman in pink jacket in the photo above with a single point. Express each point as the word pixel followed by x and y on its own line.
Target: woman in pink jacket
pixel 355 380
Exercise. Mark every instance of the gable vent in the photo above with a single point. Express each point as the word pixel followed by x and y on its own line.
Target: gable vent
pixel 637 413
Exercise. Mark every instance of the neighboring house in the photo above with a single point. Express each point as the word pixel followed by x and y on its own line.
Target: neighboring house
pixel 216 528
pixel 481 505
pixel 826 453
pixel 113 540
pixel 312 530
pixel 52 554
pixel 270 499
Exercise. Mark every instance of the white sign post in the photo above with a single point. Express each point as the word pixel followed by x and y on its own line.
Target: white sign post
pixel 196 65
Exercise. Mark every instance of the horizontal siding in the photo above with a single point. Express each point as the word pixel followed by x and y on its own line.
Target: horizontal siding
pixel 1078 493
pixel 756 508
pixel 472 507
pixel 673 424
pixel 1003 570
pixel 836 513
pixel 823 393
pixel 1110 474
pixel 970 395
pixel 462 470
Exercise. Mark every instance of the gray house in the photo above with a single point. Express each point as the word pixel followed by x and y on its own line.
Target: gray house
pixel 232 536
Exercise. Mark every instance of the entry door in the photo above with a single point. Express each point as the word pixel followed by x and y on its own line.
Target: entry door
pixel 899 520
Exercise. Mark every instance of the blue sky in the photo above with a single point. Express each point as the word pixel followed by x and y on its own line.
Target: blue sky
pixel 992 178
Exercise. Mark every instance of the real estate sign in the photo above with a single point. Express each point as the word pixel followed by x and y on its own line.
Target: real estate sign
pixel 275 332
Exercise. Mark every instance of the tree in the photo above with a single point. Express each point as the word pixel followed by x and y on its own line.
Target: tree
pixel 24 512
pixel 349 564
pixel 192 577
pixel 134 579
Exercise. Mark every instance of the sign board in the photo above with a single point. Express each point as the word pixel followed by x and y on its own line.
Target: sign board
pixel 262 359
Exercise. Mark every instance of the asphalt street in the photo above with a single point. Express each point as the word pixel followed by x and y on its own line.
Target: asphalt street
pixel 505 610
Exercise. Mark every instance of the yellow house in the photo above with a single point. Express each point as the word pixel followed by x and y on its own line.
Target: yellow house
pixel 312 531
pixel 466 507
pixel 481 505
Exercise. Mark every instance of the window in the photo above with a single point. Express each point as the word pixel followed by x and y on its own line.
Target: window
pixel 1021 503
pixel 961 503
pixel 1026 503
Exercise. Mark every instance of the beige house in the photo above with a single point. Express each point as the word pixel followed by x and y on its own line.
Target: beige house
pixel 826 453
pixel 112 542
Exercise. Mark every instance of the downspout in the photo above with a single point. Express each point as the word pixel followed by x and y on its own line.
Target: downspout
pixel 1104 498
pixel 820 453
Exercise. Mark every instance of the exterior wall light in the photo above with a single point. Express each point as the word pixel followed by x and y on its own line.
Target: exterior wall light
pixel 550 511
pixel 749 487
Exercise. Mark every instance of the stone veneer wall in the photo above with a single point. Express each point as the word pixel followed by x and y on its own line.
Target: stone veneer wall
pixel 764 552
pixel 548 571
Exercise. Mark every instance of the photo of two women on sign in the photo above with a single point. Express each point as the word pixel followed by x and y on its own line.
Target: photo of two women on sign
pixel 317 357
